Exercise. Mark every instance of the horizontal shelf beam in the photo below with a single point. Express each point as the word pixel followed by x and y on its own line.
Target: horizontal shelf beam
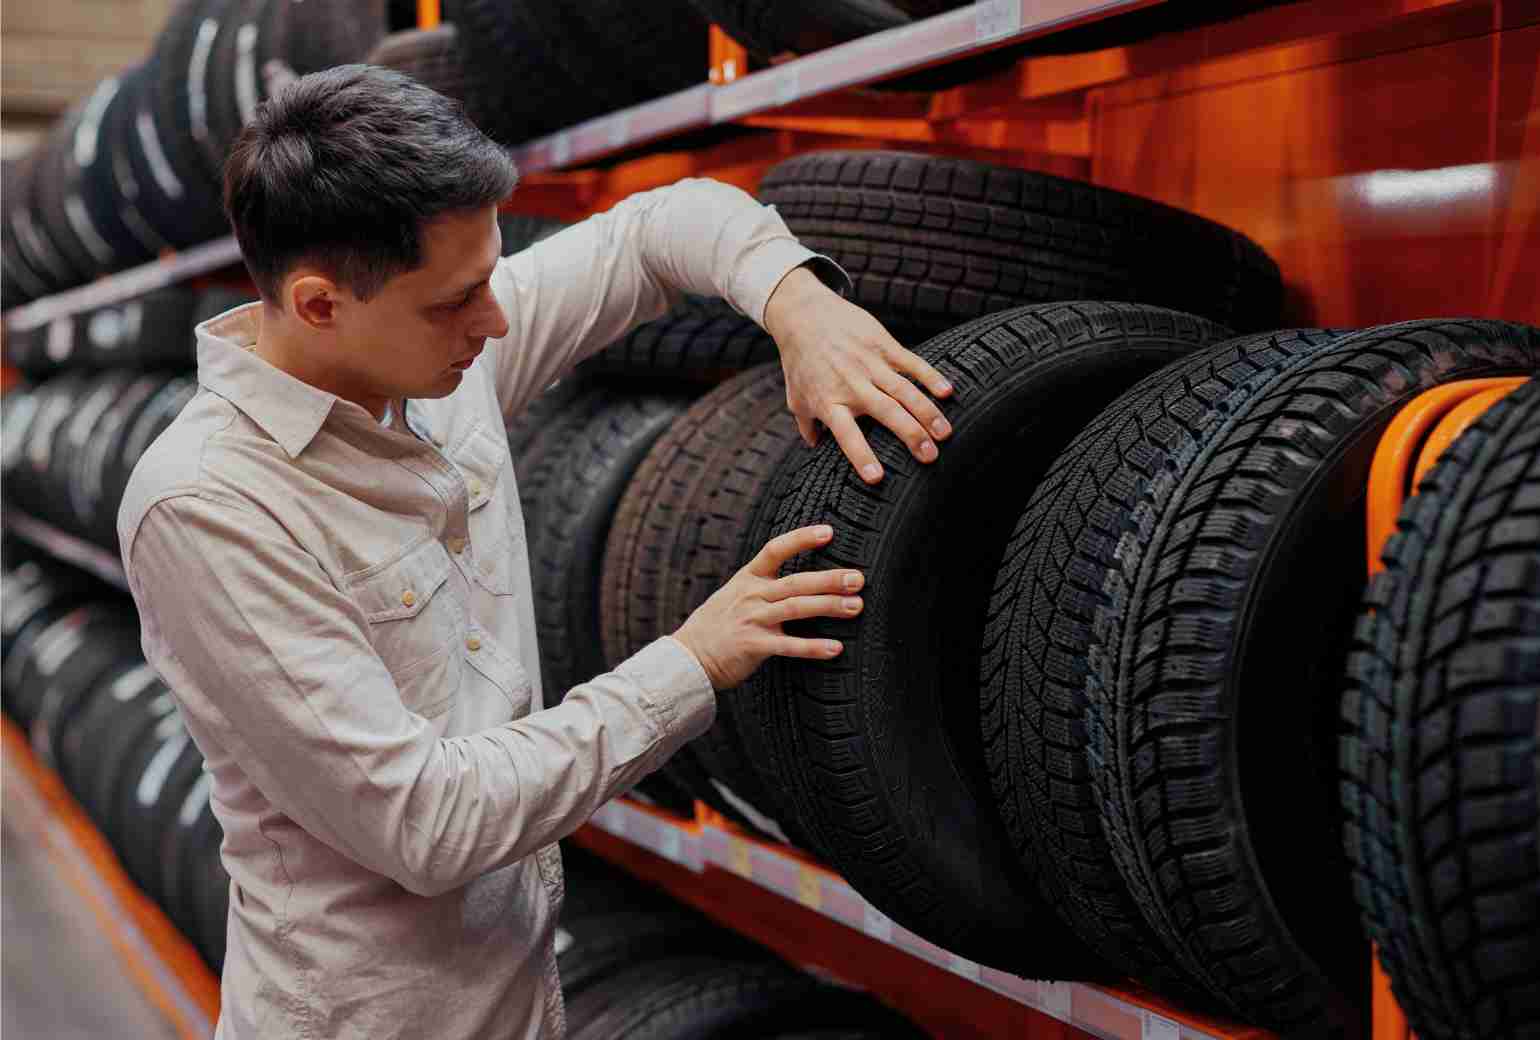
pixel 66 547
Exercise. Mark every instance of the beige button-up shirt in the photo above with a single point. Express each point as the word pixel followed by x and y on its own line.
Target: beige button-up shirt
pixel 342 609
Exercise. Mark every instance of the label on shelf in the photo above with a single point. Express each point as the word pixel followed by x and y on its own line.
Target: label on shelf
pixel 740 860
pixel 669 844
pixel 877 924
pixel 964 967
pixel 1057 999
pixel 561 149
pixel 1157 1028
pixel 995 18
pixel 809 888
pixel 788 84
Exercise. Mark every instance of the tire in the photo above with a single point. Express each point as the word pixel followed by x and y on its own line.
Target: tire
pixel 153 331
pixel 522 230
pixel 1438 757
pixel 121 694
pixel 433 57
pixel 127 189
pixel 169 185
pixel 89 170
pixel 121 753
pixel 88 480
pixel 1203 539
pixel 528 425
pixel 771 27
pixel 21 283
pixel 108 634
pixel 604 435
pixel 50 658
pixel 931 242
pixel 27 479
pixel 49 187
pixel 98 396
pixel 307 36
pixel 178 844
pixel 703 340
pixel 32 235
pixel 907 818
pixel 702 997
pixel 153 784
pixel 236 83
pixel 678 534
pixel 602 944
pixel 37 592
pixel 211 890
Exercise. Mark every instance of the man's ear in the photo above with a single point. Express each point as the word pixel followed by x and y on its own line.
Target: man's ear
pixel 314 299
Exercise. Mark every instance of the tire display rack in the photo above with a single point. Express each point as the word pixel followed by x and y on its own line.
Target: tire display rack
pixel 769 892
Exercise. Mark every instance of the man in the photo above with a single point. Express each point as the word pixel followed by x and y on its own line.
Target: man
pixel 328 554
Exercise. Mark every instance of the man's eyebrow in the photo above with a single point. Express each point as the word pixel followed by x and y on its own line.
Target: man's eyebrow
pixel 466 289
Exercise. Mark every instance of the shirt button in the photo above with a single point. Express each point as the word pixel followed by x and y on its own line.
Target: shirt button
pixel 473 644
pixel 475 488
pixel 408 598
pixel 457 545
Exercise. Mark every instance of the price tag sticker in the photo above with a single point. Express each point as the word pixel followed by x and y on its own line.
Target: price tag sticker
pixel 668 844
pixel 620 129
pixel 964 967
pixel 1157 1028
pixel 561 149
pixel 876 924
pixel 739 860
pixel 788 84
pixel 995 18
pixel 809 888
pixel 1056 999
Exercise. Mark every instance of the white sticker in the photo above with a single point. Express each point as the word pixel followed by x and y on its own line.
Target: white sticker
pixel 995 18
pixel 564 941
pixel 876 924
pixel 620 129
pixel 1056 998
pixel 788 84
pixel 668 843
pixel 964 967
pixel 1157 1028
pixel 561 149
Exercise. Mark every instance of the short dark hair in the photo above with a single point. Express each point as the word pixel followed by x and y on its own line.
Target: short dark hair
pixel 341 168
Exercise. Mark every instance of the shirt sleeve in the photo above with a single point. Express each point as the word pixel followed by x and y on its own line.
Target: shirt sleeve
pixel 262 648
pixel 572 294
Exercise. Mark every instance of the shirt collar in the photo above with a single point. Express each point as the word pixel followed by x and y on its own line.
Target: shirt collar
pixel 287 409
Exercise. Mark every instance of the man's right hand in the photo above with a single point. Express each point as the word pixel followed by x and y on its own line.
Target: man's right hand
pixel 733 632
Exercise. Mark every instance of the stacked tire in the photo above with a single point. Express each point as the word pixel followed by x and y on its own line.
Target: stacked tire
pixel 96 714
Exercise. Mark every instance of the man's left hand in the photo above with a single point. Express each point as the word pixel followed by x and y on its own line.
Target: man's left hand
pixel 840 364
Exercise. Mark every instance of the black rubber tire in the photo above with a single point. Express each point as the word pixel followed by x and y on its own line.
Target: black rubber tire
pixel 184 87
pixel 522 230
pixel 49 188
pixel 771 27
pixel 237 85
pixel 603 437
pixel 311 35
pixel 602 944
pixel 153 786
pixel 527 426
pixel 33 668
pixel 109 633
pixel 433 57
pixel 27 480
pixel 99 394
pixel 178 845
pixel 700 997
pixel 153 331
pixel 118 695
pixel 679 532
pixel 906 817
pixel 210 886
pixel 90 171
pixel 125 188
pixel 30 237
pixel 88 480
pixel 18 408
pixel 703 339
pixel 21 283
pixel 120 751
pixel 1213 528
pixel 36 593
pixel 1439 770
pixel 930 241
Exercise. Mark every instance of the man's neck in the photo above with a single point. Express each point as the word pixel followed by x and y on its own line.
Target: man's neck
pixel 297 357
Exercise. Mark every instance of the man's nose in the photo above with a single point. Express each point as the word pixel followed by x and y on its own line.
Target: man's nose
pixel 491 322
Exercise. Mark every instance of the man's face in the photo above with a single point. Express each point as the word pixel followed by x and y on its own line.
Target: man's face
pixel 421 331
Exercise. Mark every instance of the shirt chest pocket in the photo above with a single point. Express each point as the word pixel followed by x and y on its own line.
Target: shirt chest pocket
pixel 415 625
pixel 482 458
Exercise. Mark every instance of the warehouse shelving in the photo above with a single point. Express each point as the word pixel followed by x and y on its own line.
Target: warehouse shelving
pixel 66 547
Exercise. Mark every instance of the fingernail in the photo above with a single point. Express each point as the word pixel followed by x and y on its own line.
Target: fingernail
pixel 871 471
pixel 946 387
pixel 940 427
pixel 927 451
pixel 851 603
pixel 852 582
pixel 832 648
pixel 825 531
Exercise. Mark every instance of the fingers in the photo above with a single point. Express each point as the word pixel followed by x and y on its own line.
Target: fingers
pixel 910 363
pixel 768 561
pixel 814 583
pixel 852 442
pixel 791 646
pixel 904 426
pixel 808 430
pixel 922 408
pixel 800 607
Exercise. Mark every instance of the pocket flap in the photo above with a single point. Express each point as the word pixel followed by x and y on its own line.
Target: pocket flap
pixel 480 456
pixel 401 589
